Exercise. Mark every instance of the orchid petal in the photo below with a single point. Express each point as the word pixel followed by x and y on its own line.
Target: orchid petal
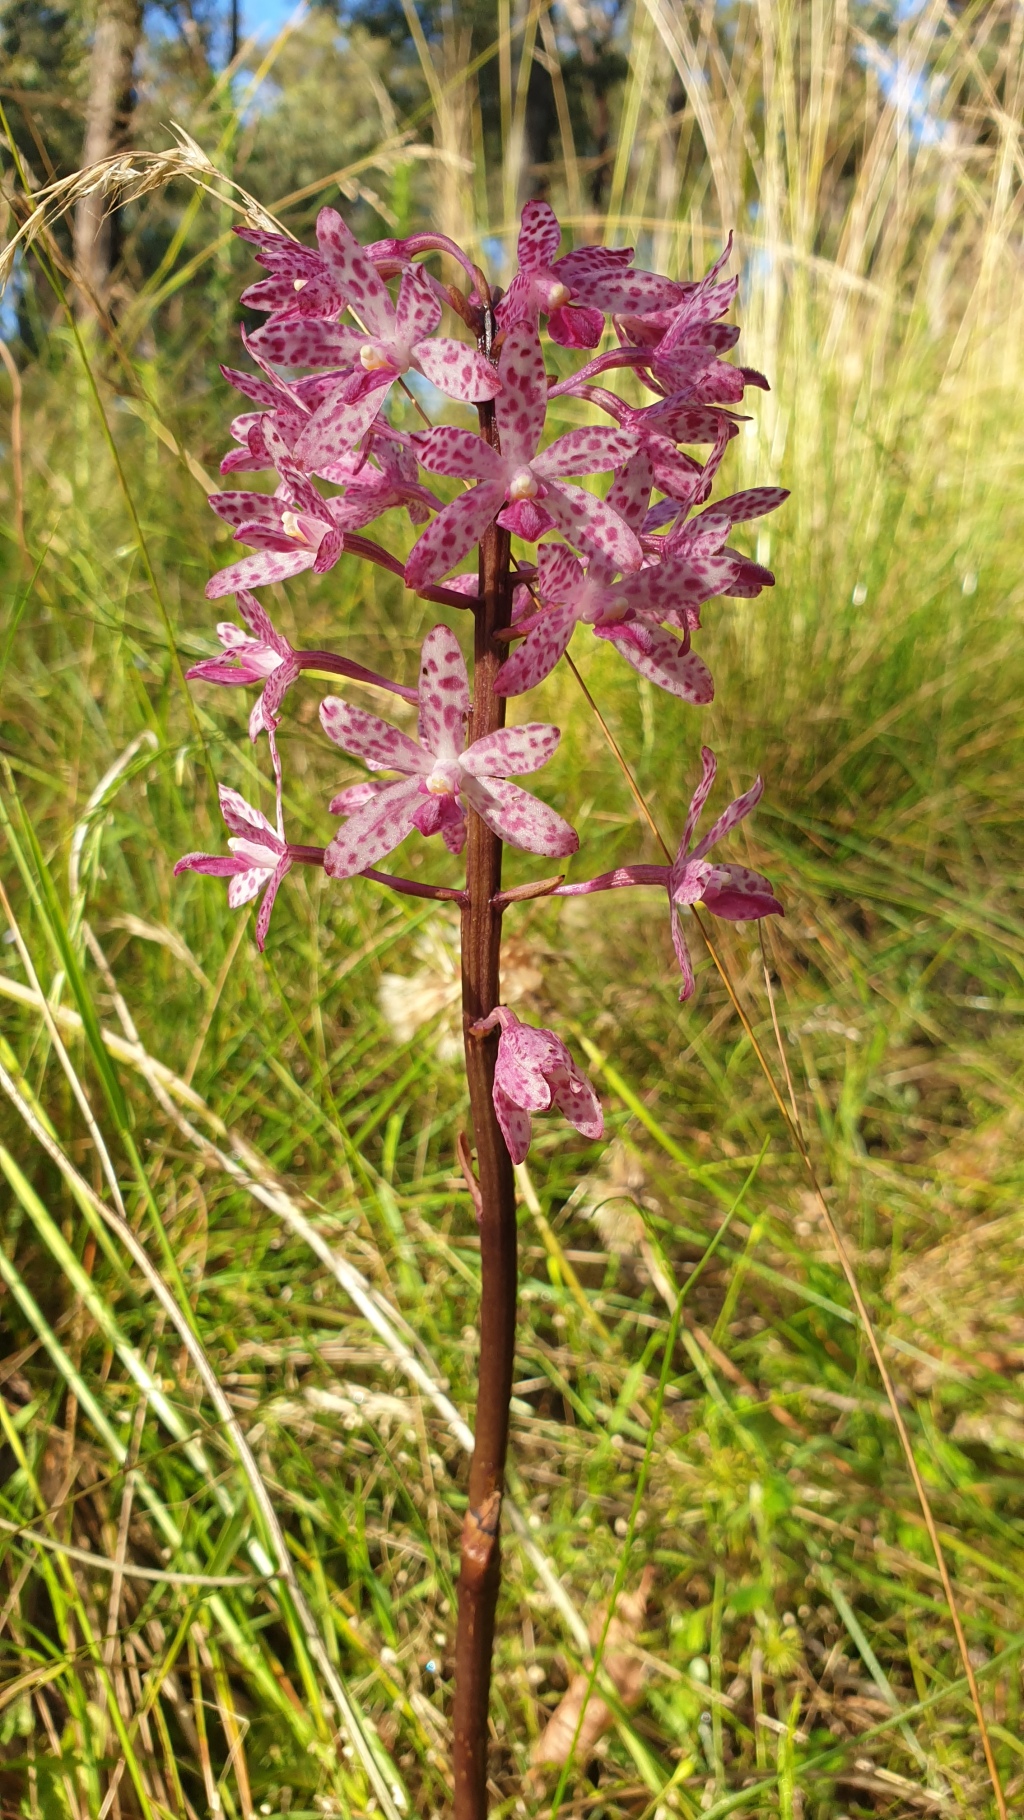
pixel 259 571
pixel 513 1123
pixel 521 406
pixel 589 521
pixel 739 895
pixel 443 694
pixel 511 751
pixel 456 370
pixel 729 818
pixel 537 656
pixel 380 746
pixel 460 453
pixel 663 660
pixel 592 450
pixel 539 236
pixel 454 531
pixel 354 273
pixel 519 818
pixel 418 312
pixel 374 830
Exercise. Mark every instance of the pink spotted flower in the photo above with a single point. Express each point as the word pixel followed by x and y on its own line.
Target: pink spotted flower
pixel 534 1072
pixel 575 292
pixel 729 891
pixel 525 490
pixel 258 861
pixel 440 777
pixel 392 339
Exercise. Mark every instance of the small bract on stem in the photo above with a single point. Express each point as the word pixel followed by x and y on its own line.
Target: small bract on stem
pixel 636 565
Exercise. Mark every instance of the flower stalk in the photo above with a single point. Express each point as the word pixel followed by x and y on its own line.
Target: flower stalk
pixel 632 568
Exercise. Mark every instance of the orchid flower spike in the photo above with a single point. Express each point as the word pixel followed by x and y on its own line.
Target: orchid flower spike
pixel 259 858
pixel 533 1073
pixel 440 776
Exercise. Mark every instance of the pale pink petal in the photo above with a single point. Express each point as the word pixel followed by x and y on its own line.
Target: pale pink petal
pixel 560 575
pixel 521 405
pixel 443 694
pixel 539 236
pixel 739 895
pixel 247 508
pixel 242 818
pixel 682 953
pixel 460 453
pixel 304 341
pixel 264 913
pixel 213 865
pixel 588 451
pixel 527 519
pixel 630 492
pixel 364 293
pixel 663 660
pixel 709 767
pixel 575 1098
pixel 585 265
pixel 259 622
pixel 356 796
pixel 513 1123
pixel 382 747
pixel 418 311
pixel 511 751
pixel 519 818
pixel 589 521
pixel 457 370
pixel 245 885
pixel 373 831
pixel 539 653
pixel 259 571
pixel 729 818
pixel 335 428
pixel 454 531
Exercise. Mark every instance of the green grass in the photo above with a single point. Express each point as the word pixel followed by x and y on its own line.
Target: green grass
pixel 752 1468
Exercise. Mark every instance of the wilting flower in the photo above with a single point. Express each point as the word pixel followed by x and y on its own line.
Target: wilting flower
pixel 575 292
pixel 511 485
pixel 440 776
pixel 392 339
pixel 732 892
pixel 534 1072
pixel 259 858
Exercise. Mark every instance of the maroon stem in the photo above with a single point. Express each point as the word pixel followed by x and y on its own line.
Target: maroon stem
pixel 480 1570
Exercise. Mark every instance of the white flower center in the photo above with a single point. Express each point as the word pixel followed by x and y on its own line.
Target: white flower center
pixel 445 778
pixel 523 485
pixel 374 359
pixel 291 525
pixel 299 284
pixel 557 295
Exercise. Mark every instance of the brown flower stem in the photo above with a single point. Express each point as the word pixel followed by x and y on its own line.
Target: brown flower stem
pixel 480 1570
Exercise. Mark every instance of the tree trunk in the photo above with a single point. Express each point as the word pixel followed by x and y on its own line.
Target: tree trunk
pixel 107 129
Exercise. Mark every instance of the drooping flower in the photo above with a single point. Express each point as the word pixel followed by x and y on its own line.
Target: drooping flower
pixel 577 291
pixel 264 655
pixel 440 776
pixel 533 1073
pixel 682 344
pixel 258 860
pixel 733 892
pixel 524 490
pixel 392 339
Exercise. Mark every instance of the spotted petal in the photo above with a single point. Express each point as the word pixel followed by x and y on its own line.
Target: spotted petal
pixel 591 450
pixel 456 370
pixel 306 341
pixel 418 311
pixel 575 1098
pixel 539 236
pixel 519 818
pixel 365 295
pixel 537 656
pixel 729 818
pixel 373 831
pixel 511 751
pixel 590 522
pixel 521 405
pixel 739 895
pixel 452 533
pixel 662 659
pixel 460 453
pixel 259 571
pixel 380 746
pixel 513 1123
pixel 443 694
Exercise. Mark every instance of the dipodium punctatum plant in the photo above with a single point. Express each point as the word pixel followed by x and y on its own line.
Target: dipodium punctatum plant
pixel 635 565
